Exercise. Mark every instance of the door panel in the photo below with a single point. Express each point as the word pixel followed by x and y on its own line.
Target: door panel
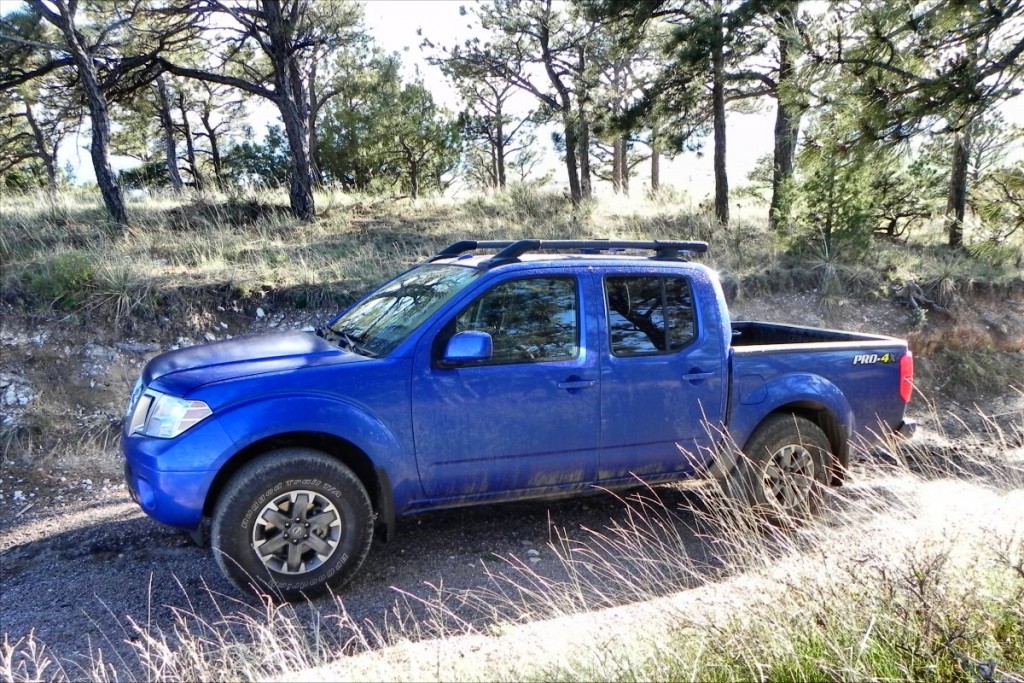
pixel 529 417
pixel 662 377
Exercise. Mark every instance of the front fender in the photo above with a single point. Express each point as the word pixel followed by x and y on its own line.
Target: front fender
pixel 252 422
pixel 796 390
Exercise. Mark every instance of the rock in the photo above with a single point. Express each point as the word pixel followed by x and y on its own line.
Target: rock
pixel 210 336
pixel 534 560
pixel 533 552
pixel 100 353
pixel 18 495
pixel 138 347
pixel 260 314
pixel 224 326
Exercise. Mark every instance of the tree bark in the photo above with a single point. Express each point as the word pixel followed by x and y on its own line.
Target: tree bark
pixel 718 107
pixel 787 126
pixel 167 124
pixel 99 114
pixel 956 199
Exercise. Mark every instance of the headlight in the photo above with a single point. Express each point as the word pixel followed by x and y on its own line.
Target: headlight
pixel 166 416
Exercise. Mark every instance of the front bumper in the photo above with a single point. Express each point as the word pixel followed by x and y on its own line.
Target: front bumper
pixel 170 479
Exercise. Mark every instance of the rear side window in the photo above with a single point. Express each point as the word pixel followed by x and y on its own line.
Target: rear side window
pixel 529 320
pixel 649 314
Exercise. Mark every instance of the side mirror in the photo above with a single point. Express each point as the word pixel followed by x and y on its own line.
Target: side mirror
pixel 467 347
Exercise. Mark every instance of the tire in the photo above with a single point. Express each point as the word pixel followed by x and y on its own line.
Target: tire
pixel 784 470
pixel 309 514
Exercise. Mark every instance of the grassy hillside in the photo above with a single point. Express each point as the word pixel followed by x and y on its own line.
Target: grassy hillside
pixel 916 572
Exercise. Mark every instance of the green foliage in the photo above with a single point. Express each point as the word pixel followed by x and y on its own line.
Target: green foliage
pixel 65 281
pixel 379 132
pixel 266 163
pixel 834 193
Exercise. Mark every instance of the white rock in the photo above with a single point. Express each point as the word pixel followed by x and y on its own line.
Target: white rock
pixel 533 553
pixel 19 495
pixel 210 336
pixel 260 313
pixel 534 560
pixel 224 326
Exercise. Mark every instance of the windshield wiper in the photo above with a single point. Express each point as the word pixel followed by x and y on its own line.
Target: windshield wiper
pixel 346 341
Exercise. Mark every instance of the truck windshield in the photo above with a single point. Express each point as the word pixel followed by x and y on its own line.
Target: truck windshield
pixel 381 321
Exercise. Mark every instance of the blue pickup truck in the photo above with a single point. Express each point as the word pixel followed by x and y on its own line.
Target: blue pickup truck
pixel 495 371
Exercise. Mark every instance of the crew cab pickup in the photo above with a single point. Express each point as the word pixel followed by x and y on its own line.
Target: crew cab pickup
pixel 542 370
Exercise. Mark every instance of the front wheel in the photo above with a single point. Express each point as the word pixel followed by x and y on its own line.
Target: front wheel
pixel 295 522
pixel 784 469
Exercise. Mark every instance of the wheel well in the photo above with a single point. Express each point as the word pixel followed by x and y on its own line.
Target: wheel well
pixel 353 458
pixel 834 432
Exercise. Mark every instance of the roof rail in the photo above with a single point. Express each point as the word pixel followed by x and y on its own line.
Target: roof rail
pixel 511 251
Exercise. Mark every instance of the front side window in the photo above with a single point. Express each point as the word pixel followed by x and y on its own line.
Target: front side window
pixel 529 320
pixel 649 314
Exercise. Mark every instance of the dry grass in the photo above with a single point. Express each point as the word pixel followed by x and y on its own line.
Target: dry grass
pixel 59 252
pixel 916 572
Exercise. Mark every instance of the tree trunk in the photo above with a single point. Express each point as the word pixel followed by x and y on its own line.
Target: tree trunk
pixel 414 179
pixel 586 187
pixel 956 200
pixel 211 134
pixel 655 161
pixel 42 150
pixel 99 114
pixel 617 165
pixel 167 124
pixel 718 106
pixel 293 102
pixel 314 143
pixel 787 127
pixel 624 165
pixel 499 149
pixel 571 167
pixel 190 147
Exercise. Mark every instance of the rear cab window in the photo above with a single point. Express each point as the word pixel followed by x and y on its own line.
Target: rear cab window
pixel 649 314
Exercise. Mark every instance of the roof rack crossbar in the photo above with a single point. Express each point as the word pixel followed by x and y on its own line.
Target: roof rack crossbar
pixel 511 251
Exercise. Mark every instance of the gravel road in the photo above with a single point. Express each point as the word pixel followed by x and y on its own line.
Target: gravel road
pixel 75 571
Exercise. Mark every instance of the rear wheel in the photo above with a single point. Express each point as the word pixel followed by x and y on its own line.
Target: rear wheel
pixel 784 469
pixel 294 522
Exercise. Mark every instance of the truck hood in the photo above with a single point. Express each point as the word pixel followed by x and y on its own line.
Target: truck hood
pixel 179 372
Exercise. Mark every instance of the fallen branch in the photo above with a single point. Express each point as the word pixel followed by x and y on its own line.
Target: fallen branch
pixel 913 296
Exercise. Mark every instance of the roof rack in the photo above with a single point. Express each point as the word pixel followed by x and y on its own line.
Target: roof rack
pixel 511 251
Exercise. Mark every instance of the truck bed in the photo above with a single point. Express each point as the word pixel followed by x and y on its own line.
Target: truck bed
pixel 749 333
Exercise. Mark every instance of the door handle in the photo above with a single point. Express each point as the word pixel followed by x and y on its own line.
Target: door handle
pixel 695 375
pixel 573 383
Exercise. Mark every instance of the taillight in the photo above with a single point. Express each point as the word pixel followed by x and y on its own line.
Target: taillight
pixel 906 376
